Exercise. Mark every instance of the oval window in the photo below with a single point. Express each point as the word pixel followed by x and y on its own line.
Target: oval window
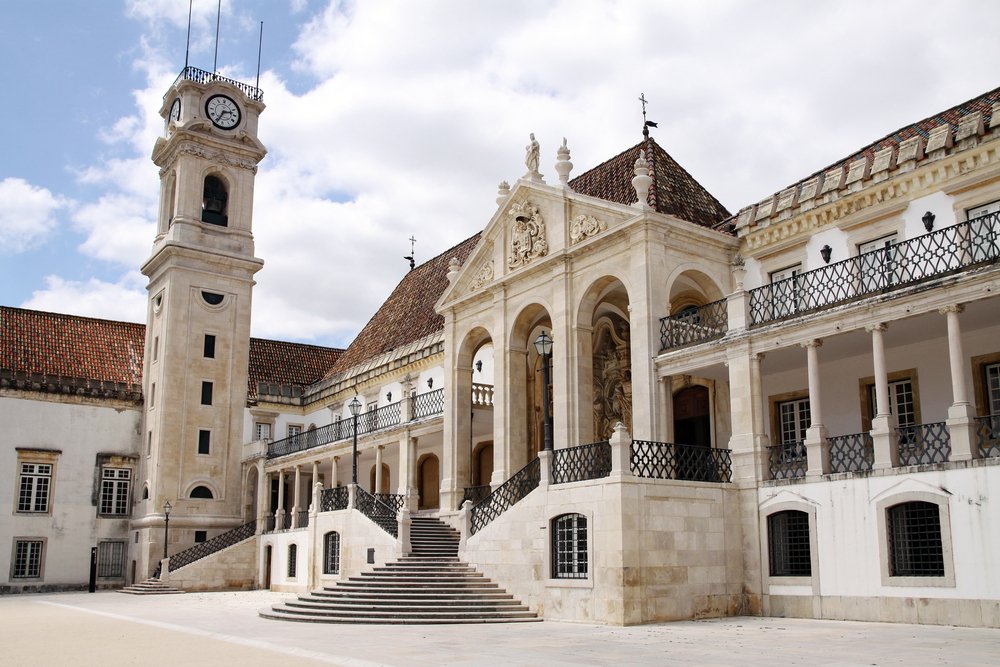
pixel 211 298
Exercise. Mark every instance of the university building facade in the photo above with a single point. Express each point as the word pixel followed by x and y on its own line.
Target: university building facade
pixel 629 404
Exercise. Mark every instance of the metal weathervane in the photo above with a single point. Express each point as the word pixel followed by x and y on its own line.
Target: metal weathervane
pixel 646 124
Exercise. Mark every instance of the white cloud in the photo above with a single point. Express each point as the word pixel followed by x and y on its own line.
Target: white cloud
pixel 27 215
pixel 123 300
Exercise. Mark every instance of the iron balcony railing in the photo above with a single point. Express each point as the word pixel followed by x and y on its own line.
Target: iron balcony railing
pixel 962 246
pixel 787 460
pixel 373 508
pixel 303 519
pixel 388 416
pixel 575 464
pixel 331 500
pixel 475 493
pixel 851 453
pixel 708 322
pixel 692 463
pixel 988 435
pixel 202 76
pixel 269 524
pixel 521 483
pixel 425 405
pixel 286 521
pixel 209 547
pixel 396 501
pixel 924 443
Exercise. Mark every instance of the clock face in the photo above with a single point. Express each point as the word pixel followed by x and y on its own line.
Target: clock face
pixel 222 111
pixel 175 110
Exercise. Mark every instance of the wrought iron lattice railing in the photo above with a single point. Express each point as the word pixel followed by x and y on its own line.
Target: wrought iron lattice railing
pixel 475 493
pixel 667 460
pixel 209 547
pixel 521 483
pixel 337 498
pixel 787 460
pixel 924 443
pixel 396 501
pixel 939 253
pixel 482 395
pixel 851 453
pixel 430 403
pixel 269 523
pixel 694 326
pixel 575 464
pixel 376 510
pixel 369 422
pixel 988 435
pixel 302 519
pixel 286 521
pixel 203 76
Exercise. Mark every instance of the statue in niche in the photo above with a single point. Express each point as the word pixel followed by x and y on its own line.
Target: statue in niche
pixel 527 235
pixel 612 376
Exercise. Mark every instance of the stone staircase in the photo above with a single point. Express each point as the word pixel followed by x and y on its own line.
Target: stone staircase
pixel 430 586
pixel 150 587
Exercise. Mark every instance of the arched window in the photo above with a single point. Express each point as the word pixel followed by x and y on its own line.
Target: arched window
pixel 293 553
pixel 201 492
pixel 331 553
pixel 569 547
pixel 145 492
pixel 788 544
pixel 913 536
pixel 214 202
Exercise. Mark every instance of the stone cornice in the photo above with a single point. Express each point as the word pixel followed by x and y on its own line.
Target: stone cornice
pixel 927 178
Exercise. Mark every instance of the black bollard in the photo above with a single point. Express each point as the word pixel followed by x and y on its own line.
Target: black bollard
pixel 93 570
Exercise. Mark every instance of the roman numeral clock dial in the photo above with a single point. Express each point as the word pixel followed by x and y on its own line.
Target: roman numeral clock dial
pixel 223 112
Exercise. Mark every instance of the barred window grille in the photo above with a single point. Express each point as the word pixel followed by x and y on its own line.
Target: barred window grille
pixel 115 485
pixel 33 492
pixel 913 532
pixel 788 544
pixel 569 547
pixel 111 559
pixel 993 388
pixel 331 553
pixel 27 559
pixel 293 553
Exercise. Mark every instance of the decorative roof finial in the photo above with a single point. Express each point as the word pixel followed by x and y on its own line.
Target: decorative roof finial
pixel 641 182
pixel 411 256
pixel 563 165
pixel 646 124
pixel 503 192
pixel 454 266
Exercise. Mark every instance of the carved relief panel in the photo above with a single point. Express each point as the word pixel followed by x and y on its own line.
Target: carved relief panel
pixel 612 376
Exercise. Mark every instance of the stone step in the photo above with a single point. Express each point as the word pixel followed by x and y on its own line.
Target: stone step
pixel 397 616
pixel 407 604
pixel 331 594
pixel 277 614
pixel 150 587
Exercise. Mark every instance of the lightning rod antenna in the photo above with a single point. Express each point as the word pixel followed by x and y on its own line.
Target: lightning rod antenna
pixel 218 18
pixel 187 45
pixel 260 43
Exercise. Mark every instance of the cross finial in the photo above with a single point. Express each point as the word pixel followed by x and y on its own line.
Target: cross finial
pixel 410 257
pixel 646 124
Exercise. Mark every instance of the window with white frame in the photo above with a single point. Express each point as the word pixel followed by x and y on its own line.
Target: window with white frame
pixel 984 231
pixel 27 560
pixel 785 291
pixel 877 263
pixel 111 559
pixel 331 553
pixel 115 486
pixel 569 547
pixel 34 487
pixel 261 430
pixel 901 402
pixel 294 429
pixel 991 374
pixel 793 420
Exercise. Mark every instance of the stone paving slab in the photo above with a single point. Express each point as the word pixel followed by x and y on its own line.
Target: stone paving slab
pixel 224 629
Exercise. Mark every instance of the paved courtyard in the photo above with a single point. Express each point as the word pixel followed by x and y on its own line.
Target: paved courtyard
pixel 223 629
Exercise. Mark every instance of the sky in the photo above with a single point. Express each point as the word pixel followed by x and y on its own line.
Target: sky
pixel 391 119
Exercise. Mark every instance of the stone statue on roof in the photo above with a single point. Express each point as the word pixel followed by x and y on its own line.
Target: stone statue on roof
pixel 531 157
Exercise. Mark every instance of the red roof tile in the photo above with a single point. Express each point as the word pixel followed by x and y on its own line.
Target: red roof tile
pixel 408 314
pixel 674 191
pixel 288 364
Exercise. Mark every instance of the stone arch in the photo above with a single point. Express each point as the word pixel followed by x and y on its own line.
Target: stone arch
pixel 474 395
pixel 429 482
pixel 525 379
pixel 386 486
pixel 215 198
pixel 604 359
pixel 250 484
pixel 201 486
pixel 689 286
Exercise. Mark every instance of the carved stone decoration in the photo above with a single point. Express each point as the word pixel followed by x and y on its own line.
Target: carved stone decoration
pixel 527 235
pixel 484 276
pixel 585 226
pixel 612 376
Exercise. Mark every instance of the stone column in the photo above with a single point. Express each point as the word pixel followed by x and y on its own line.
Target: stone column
pixel 408 471
pixel 816 443
pixel 742 408
pixel 544 468
pixel 334 471
pixel 760 439
pixel 501 390
pixel 279 514
pixel 296 496
pixel 510 452
pixel 378 469
pixel 884 435
pixel 455 463
pixel 564 358
pixel 666 409
pixel 738 303
pixel 961 414
pixel 621 452
pixel 263 497
pixel 644 333
pixel 315 474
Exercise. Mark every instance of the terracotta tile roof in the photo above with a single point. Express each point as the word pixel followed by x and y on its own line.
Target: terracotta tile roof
pixel 284 364
pixel 81 355
pixel 69 354
pixel 408 314
pixel 674 191
pixel 983 104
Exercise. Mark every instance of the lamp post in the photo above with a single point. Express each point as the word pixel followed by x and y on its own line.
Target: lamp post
pixel 166 525
pixel 543 344
pixel 355 406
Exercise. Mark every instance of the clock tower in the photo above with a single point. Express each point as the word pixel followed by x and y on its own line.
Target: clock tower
pixel 200 274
